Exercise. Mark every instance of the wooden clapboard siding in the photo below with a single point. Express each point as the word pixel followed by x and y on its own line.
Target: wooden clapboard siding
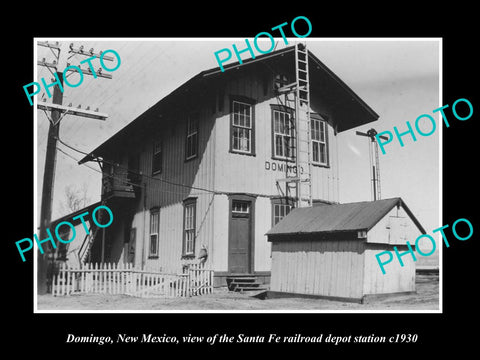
pixel 215 168
pixel 263 222
pixel 318 267
pixel 395 228
pixel 253 174
pixel 325 182
pixel 396 278
pixel 197 172
pixel 219 249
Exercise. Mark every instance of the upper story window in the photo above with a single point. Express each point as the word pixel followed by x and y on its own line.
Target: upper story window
pixel 157 158
pixel 191 148
pixel 279 81
pixel 242 126
pixel 283 133
pixel 319 140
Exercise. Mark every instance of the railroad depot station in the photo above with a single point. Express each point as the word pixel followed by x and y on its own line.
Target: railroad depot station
pixel 207 173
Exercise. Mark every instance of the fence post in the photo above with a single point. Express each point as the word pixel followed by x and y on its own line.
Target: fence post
pixel 129 277
pixel 54 279
pixel 83 267
pixel 96 282
pixel 68 279
pixel 109 278
pixel 124 278
pixel 189 282
pixel 114 273
pixel 210 276
pixel 88 275
pixel 81 274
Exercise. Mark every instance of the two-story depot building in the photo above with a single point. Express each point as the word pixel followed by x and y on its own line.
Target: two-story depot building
pixel 200 168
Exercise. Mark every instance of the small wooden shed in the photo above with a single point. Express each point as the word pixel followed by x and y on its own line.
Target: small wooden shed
pixel 329 250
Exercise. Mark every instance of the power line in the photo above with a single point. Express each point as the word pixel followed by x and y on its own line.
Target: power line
pixel 71 157
pixel 71 147
pixel 103 98
pixel 117 165
pixel 61 69
pixel 116 177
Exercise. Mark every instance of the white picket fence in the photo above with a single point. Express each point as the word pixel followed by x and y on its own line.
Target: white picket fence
pixel 111 278
pixel 200 280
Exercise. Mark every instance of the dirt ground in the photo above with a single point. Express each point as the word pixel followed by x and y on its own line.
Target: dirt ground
pixel 426 298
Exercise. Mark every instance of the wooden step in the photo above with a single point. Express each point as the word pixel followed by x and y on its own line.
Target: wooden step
pixel 250 288
pixel 246 284
pixel 246 277
pixel 247 287
pixel 242 280
pixel 243 283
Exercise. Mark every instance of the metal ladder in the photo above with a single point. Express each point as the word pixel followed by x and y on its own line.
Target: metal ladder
pixel 300 183
pixel 302 121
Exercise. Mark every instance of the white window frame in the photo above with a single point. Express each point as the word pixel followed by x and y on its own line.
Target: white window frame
pixel 243 127
pixel 244 207
pixel 192 133
pixel 154 232
pixel 290 135
pixel 157 149
pixel 189 224
pixel 283 206
pixel 317 141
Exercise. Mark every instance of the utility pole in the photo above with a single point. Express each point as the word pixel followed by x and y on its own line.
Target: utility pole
pixel 57 112
pixel 47 189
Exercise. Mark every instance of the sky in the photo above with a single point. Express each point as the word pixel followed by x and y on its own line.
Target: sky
pixel 397 78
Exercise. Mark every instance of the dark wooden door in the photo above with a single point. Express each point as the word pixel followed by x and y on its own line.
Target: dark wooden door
pixel 239 254
pixel 129 248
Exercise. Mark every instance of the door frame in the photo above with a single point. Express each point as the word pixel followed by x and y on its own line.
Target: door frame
pixel 251 244
pixel 127 245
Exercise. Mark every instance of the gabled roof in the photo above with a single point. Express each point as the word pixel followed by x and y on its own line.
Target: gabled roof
pixel 347 107
pixel 339 217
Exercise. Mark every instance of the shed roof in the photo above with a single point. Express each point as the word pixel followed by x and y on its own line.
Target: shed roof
pixel 339 217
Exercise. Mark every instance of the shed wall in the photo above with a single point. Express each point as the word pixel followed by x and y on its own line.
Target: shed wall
pixel 326 267
pixel 396 278
pixel 395 228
